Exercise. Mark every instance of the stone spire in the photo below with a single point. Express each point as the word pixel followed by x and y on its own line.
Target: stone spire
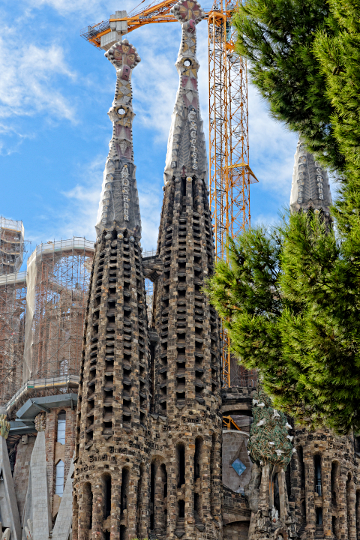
pixel 186 152
pixel 186 371
pixel 111 442
pixel 310 183
pixel 119 203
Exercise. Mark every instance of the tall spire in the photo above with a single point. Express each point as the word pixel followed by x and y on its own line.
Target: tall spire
pixel 310 183
pixel 186 152
pixel 186 367
pixel 113 401
pixel 119 203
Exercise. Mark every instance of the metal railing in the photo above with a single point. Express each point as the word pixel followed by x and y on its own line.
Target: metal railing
pixel 41 384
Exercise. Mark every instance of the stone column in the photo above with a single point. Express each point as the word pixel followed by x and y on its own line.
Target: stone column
pixel 326 493
pixel 309 496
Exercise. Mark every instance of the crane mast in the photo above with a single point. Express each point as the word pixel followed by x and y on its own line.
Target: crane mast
pixel 230 175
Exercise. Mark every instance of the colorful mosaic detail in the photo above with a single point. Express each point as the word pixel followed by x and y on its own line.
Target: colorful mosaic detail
pixel 238 466
pixel 124 55
pixel 187 10
pixel 4 426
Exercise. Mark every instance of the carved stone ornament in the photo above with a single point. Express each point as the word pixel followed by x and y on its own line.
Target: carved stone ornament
pixel 4 426
pixel 40 422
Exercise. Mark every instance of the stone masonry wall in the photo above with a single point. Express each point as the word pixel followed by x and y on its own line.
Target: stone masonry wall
pixel 187 370
pixel 113 404
pixel 21 470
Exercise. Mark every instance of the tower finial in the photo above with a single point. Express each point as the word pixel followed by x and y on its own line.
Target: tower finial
pixel 119 203
pixel 186 153
pixel 310 187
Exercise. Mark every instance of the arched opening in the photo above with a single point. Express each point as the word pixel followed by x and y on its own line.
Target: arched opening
pixel 152 496
pixel 319 516
pixel 140 495
pixel 276 493
pixel 357 516
pixel 180 455
pixel 197 510
pixel 288 477
pixel 61 427
pixel 348 504
pixel 59 478
pixel 181 509
pixel 88 506
pixel 300 454
pixel 334 526
pixel 334 475
pixel 124 490
pixel 303 511
pixel 197 458
pixel 212 473
pixel 317 470
pixel 107 495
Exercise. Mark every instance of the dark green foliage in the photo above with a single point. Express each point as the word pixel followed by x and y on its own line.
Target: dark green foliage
pixel 305 61
pixel 277 36
pixel 290 298
pixel 338 53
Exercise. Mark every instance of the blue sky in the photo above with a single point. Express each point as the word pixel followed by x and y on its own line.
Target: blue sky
pixel 55 91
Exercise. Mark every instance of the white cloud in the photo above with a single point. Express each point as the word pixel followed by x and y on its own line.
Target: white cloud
pixel 272 148
pixel 81 206
pixel 95 8
pixel 27 83
pixel 156 80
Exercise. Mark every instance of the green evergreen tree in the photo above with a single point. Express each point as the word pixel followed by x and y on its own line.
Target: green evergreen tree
pixel 290 296
pixel 277 36
pixel 290 299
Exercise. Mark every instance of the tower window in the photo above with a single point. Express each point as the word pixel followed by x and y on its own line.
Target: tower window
pixel 107 496
pixel 317 466
pixel 319 516
pixel 59 481
pixel 181 464
pixel 61 427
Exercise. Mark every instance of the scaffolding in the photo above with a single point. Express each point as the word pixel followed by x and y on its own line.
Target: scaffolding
pixel 12 332
pixel 230 175
pixel 11 245
pixel 58 280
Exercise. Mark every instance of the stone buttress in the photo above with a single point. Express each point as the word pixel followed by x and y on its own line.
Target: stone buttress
pixel 110 470
pixel 186 420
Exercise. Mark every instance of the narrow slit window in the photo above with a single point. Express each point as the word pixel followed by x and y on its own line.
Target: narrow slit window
pixel 61 427
pixel 59 482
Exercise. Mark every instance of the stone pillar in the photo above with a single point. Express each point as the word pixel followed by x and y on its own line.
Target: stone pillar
pixel 98 510
pixel 326 497
pixel 309 496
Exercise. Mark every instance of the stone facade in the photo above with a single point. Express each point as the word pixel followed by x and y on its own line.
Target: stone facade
pixel 161 450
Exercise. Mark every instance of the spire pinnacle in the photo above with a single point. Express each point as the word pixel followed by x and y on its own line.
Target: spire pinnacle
pixel 186 152
pixel 119 202
pixel 310 183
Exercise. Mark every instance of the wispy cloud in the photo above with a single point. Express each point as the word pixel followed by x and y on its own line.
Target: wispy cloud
pixel 28 80
pixel 94 8
pixel 272 148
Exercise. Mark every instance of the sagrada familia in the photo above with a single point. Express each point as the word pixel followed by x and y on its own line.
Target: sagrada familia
pixel 128 440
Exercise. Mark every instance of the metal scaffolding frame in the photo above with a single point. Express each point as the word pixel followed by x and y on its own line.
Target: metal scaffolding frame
pixel 230 175
pixel 57 291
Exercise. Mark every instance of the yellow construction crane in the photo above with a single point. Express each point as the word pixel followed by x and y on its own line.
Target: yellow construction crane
pixel 230 175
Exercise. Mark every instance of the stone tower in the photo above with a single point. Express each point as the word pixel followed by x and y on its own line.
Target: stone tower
pixel 186 370
pixel 113 398
pixel 310 187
